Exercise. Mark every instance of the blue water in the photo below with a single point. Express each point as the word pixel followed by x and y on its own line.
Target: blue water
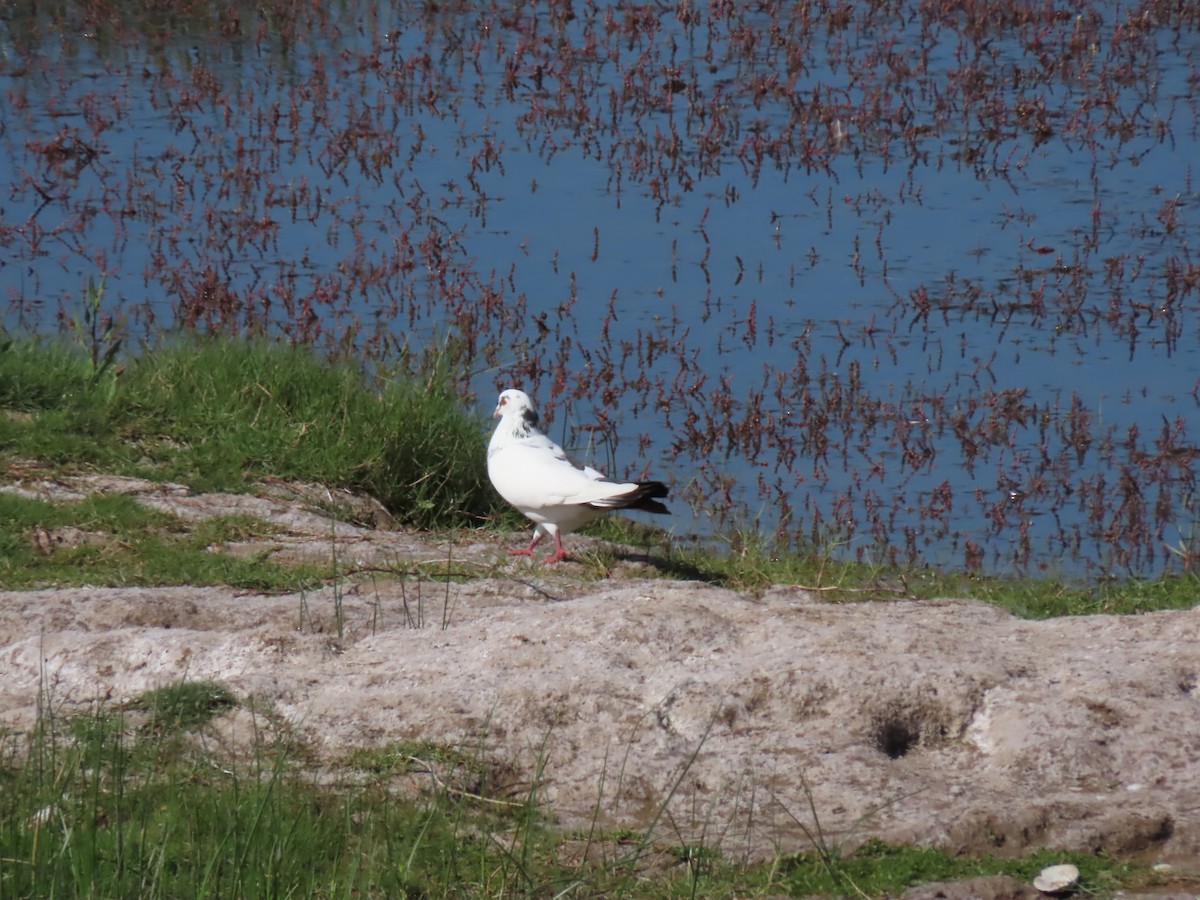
pixel 897 316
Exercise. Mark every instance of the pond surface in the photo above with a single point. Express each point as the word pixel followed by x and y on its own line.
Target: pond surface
pixel 903 281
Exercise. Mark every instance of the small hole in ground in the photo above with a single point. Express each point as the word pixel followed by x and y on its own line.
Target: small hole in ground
pixel 895 738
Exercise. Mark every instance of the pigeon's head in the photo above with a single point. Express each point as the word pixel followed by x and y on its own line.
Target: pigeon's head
pixel 516 406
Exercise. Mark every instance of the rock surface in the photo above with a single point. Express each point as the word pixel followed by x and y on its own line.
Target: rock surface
pixel 756 722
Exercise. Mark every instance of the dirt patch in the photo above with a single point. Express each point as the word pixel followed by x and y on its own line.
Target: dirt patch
pixel 946 722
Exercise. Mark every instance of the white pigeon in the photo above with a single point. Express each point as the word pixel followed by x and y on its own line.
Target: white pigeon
pixel 533 473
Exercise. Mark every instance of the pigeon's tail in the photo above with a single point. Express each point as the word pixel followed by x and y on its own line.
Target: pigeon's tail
pixel 644 497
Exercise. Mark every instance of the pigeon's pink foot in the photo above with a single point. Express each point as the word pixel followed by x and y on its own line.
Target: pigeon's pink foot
pixel 560 552
pixel 526 551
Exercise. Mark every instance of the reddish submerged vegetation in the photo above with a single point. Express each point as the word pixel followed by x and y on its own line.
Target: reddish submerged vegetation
pixel 695 225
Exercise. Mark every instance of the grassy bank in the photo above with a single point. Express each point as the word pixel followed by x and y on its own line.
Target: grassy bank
pixel 153 799
pixel 222 415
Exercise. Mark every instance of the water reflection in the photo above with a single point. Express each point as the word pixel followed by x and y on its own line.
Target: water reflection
pixel 912 281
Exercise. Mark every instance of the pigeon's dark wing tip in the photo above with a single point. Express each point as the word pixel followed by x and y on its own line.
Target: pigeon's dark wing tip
pixel 648 494
pixel 643 498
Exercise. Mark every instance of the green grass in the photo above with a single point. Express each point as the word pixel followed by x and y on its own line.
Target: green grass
pixel 186 705
pixel 219 414
pixel 113 814
pixel 112 540
pixel 100 806
pixel 752 565
pixel 879 869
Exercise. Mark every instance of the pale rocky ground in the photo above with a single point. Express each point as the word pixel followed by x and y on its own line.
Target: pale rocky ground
pixel 747 721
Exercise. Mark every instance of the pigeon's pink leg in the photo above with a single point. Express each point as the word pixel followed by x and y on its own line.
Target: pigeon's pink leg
pixel 527 551
pixel 559 551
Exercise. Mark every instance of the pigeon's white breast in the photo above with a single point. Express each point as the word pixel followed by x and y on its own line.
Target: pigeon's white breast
pixel 532 475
